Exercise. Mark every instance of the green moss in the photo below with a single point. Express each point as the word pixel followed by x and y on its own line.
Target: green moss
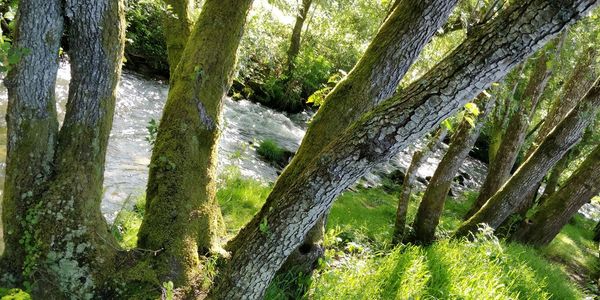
pixel 272 152
pixel 13 294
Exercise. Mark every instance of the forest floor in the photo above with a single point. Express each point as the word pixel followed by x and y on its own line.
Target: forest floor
pixel 360 263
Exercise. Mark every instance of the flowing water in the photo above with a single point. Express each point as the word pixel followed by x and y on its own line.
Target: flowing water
pixel 245 124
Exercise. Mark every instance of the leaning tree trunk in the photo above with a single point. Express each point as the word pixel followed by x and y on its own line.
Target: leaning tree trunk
pixel 527 177
pixel 500 168
pixel 182 219
pixel 32 126
pixel 76 257
pixel 557 210
pixel 178 23
pixel 374 78
pixel 577 85
pixel 291 211
pixel 297 35
pixel 432 204
pixel 410 178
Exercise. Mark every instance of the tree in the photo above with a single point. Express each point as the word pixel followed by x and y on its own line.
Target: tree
pixel 58 257
pixel 182 219
pixel 297 34
pixel 291 211
pixel 564 136
pixel 432 204
pixel 179 22
pixel 500 168
pixel 374 78
pixel 410 178
pixel 541 228
pixel 32 124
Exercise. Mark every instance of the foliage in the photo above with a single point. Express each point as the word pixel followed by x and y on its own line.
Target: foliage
pixel 13 294
pixel 145 42
pixel 152 132
pixel 128 222
pixel 9 55
pixel 272 152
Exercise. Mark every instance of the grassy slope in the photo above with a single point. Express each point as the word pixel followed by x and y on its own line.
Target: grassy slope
pixel 360 264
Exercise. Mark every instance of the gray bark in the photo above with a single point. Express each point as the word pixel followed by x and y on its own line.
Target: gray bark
pixel 76 257
pixel 511 196
pixel 374 78
pixel 32 124
pixel 291 211
pixel 559 208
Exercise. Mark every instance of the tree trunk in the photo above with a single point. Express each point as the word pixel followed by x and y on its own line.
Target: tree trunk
pixel 32 125
pixel 560 207
pixel 182 218
pixel 297 35
pixel 374 78
pixel 291 211
pixel 410 178
pixel 500 168
pixel 178 21
pixel 554 147
pixel 77 257
pixel 432 204
pixel 553 179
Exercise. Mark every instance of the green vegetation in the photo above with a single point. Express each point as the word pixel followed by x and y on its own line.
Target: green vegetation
pixel 273 153
pixel 359 262
pixel 13 294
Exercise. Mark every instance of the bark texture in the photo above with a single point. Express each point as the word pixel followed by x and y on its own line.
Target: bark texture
pixel 291 211
pixel 297 34
pixel 74 250
pixel 528 176
pixel 500 168
pixel 432 204
pixel 182 218
pixel 410 178
pixel 32 125
pixel 374 78
pixel 559 208
pixel 179 23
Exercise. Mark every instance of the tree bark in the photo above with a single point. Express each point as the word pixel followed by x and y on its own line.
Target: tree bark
pixel 179 23
pixel 410 178
pixel 77 257
pixel 500 168
pixel 32 125
pixel 182 218
pixel 291 211
pixel 560 207
pixel 297 34
pixel 374 78
pixel 432 204
pixel 557 143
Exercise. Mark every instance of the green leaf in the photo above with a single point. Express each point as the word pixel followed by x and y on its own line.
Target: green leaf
pixel 447 124
pixel 472 109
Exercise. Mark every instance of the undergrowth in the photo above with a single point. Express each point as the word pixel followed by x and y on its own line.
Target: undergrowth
pixel 360 263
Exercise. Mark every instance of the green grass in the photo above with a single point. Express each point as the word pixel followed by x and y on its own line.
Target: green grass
pixel 272 152
pixel 360 263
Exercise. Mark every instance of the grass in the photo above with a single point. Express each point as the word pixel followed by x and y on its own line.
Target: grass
pixel 361 264
pixel 272 152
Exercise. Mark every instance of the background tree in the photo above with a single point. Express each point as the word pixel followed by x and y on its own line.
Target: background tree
pixel 182 219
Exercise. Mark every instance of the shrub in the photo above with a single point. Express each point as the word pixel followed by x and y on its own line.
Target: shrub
pixel 273 153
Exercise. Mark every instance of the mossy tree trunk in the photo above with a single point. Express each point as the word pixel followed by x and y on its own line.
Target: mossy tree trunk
pixel 432 204
pixel 577 85
pixel 296 38
pixel 500 168
pixel 182 218
pixel 32 125
pixel 410 178
pixel 559 208
pixel 73 249
pixel 264 243
pixel 564 136
pixel 374 78
pixel 179 23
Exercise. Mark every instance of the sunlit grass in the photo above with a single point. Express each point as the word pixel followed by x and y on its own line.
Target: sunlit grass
pixel 360 263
